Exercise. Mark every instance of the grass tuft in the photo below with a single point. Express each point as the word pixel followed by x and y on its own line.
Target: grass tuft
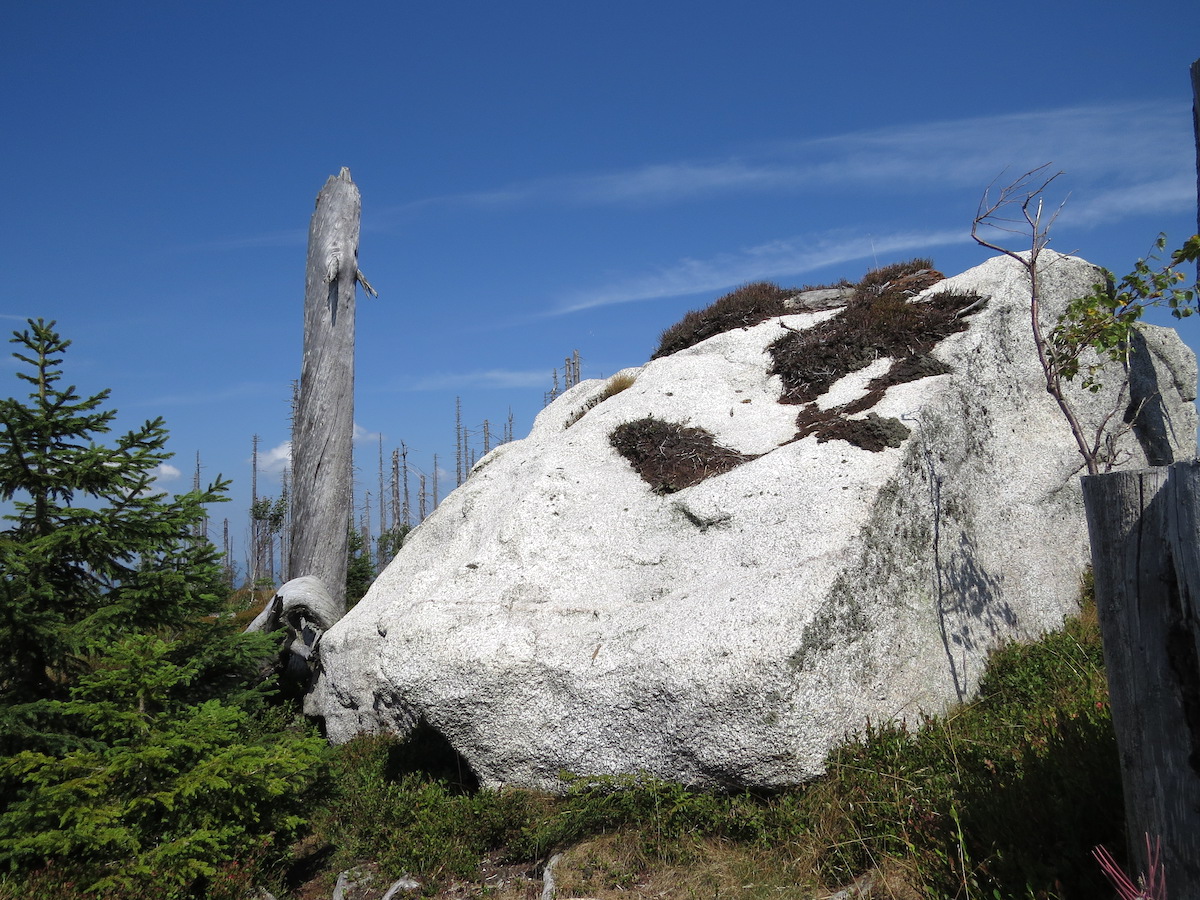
pixel 619 382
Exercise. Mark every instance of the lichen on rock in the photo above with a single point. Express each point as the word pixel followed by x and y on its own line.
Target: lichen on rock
pixel 553 614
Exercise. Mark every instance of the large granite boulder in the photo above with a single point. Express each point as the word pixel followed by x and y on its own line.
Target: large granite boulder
pixel 560 613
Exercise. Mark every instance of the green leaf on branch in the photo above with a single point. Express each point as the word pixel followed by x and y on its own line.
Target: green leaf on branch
pixel 1101 320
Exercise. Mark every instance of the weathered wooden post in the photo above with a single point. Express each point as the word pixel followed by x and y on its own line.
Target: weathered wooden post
pixel 323 430
pixel 1145 539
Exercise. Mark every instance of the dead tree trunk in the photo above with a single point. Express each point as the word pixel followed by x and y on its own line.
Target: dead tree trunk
pixel 324 426
pixel 1145 539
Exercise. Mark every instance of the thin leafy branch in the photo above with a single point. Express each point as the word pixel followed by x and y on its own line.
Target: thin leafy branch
pixel 1098 322
pixel 1102 319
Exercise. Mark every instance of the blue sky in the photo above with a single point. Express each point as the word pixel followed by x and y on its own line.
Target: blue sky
pixel 537 177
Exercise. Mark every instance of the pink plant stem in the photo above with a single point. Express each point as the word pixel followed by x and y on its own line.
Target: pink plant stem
pixel 1152 887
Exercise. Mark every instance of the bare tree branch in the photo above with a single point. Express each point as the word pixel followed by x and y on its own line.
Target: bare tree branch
pixel 1026 195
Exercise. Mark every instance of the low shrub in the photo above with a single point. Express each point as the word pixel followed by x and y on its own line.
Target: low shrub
pixel 878 322
pixel 414 812
pixel 748 305
pixel 670 456
pixel 913 275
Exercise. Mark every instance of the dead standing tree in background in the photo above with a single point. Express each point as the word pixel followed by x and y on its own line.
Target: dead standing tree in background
pixel 323 430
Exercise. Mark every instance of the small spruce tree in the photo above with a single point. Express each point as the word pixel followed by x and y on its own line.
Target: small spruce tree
pixel 129 749
pixel 360 568
pixel 91 550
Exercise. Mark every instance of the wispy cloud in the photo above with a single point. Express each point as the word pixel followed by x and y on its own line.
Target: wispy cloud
pixel 238 391
pixel 1089 142
pixel 291 237
pixel 489 378
pixel 1155 197
pixel 788 257
pixel 1105 151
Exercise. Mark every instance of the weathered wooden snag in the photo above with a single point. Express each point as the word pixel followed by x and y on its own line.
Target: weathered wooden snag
pixel 1145 536
pixel 324 425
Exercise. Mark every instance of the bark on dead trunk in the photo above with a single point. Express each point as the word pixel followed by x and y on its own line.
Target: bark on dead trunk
pixel 1145 540
pixel 323 430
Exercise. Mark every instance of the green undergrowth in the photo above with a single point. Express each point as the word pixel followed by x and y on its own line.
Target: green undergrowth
pixel 1003 797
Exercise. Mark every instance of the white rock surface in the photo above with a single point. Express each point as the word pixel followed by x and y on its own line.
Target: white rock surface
pixel 554 614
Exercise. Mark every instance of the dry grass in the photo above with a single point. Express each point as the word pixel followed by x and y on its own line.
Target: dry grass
pixel 880 322
pixel 619 382
pixel 616 867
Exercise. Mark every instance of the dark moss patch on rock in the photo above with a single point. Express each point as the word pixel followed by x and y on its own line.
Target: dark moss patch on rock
pixel 872 432
pixel 670 456
pixel 748 305
pixel 902 371
pixel 880 321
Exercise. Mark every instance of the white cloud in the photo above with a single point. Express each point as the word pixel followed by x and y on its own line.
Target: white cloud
pixel 164 472
pixel 490 378
pixel 787 257
pixel 276 460
pixel 361 435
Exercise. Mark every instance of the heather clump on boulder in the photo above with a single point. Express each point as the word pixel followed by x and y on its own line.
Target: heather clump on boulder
pixel 742 308
pixel 669 456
